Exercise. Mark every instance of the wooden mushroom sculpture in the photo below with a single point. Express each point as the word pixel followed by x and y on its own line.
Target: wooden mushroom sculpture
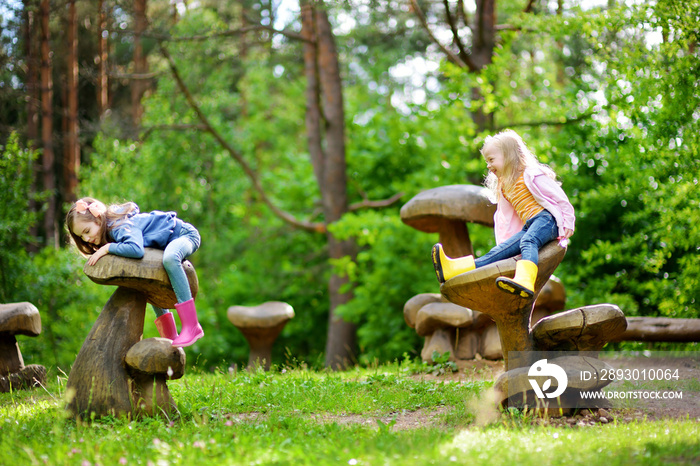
pixel 150 363
pixel 99 383
pixel 446 210
pixel 413 305
pixel 261 325
pixel 437 323
pixel 18 319
pixel 477 290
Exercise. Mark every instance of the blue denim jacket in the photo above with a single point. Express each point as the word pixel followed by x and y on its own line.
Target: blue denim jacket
pixel 144 230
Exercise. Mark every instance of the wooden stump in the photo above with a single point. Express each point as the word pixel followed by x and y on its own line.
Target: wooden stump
pixel 18 319
pixel 98 384
pixel 477 290
pixel 150 363
pixel 101 382
pixel 514 387
pixel 261 325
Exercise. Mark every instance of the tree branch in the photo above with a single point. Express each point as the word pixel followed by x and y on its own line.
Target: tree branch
pixel 367 204
pixel 134 76
pixel 227 33
pixel 455 33
pixel 462 11
pixel 287 217
pixel 150 129
pixel 530 5
pixel 451 56
pixel 559 122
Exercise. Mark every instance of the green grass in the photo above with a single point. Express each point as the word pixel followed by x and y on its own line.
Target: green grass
pixel 297 416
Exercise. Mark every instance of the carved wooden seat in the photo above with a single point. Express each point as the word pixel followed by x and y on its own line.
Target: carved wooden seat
pixel 477 290
pixel 18 319
pixel 261 325
pixel 100 382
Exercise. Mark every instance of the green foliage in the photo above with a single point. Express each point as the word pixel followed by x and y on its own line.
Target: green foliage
pixel 248 255
pixel 50 279
pixel 635 171
pixel 68 303
pixel 607 97
pixel 16 216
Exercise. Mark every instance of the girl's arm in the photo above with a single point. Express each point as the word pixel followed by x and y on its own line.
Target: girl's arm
pixel 551 189
pixel 128 242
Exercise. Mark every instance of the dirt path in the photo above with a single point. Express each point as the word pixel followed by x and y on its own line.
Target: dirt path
pixel 485 412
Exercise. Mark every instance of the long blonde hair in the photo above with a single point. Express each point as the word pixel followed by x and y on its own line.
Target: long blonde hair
pixel 516 158
pixel 113 216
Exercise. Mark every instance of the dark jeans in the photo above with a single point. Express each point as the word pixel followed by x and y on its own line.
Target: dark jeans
pixel 538 231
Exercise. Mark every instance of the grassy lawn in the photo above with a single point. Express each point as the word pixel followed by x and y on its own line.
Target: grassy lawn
pixel 372 416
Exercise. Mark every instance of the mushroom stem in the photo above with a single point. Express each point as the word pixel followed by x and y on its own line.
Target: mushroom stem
pixel 514 330
pixel 454 237
pixel 260 341
pixel 10 357
pixel 260 356
pixel 98 378
pixel 150 394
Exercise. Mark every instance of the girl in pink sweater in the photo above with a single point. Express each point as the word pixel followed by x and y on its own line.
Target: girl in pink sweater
pixel 532 211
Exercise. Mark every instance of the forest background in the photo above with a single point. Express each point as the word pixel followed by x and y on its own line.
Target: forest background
pixel 290 134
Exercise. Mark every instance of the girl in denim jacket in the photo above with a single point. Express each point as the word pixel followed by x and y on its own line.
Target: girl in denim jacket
pixel 98 230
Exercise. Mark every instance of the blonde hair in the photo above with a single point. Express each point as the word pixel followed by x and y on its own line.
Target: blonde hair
pixel 113 216
pixel 516 158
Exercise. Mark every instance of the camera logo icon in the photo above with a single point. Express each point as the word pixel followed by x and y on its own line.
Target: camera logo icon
pixel 544 369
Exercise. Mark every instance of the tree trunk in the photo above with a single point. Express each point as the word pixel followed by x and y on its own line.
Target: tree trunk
pixel 47 159
pixel 482 52
pixel 33 103
pixel 32 75
pixel 325 111
pixel 102 57
pixel 71 159
pixel 139 84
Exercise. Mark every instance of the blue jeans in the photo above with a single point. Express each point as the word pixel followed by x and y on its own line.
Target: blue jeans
pixel 538 231
pixel 175 252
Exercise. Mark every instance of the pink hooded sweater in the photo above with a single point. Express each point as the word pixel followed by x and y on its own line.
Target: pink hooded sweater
pixel 547 193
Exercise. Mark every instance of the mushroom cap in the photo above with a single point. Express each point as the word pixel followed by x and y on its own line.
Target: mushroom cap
pixel 20 319
pixel 157 356
pixel 477 289
pixel 268 314
pixel 428 210
pixel 435 316
pixel 413 305
pixel 146 275
pixel 586 328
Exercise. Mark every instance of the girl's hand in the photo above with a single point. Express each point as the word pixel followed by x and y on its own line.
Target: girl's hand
pixel 567 234
pixel 103 251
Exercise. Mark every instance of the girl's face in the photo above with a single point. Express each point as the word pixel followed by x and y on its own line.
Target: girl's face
pixel 87 230
pixel 494 159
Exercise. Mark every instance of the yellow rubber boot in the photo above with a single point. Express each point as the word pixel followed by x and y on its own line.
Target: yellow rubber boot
pixel 446 268
pixel 523 284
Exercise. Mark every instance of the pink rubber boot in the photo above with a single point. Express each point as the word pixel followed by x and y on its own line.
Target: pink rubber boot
pixel 191 330
pixel 165 325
